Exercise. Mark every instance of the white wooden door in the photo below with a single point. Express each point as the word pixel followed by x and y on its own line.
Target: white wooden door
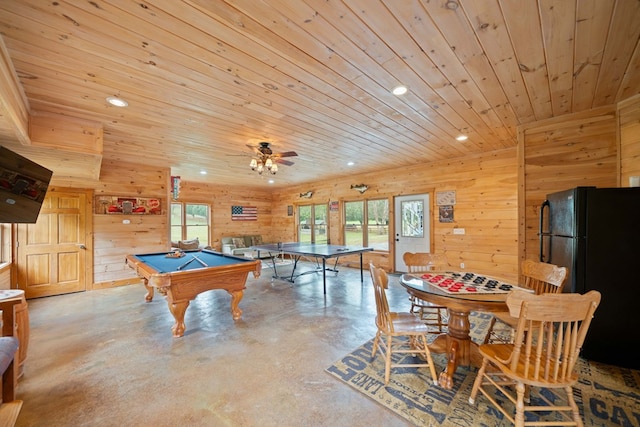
pixel 413 227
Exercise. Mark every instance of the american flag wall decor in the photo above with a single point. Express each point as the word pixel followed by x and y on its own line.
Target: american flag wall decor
pixel 244 213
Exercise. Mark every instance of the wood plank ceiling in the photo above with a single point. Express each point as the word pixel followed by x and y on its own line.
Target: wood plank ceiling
pixel 206 78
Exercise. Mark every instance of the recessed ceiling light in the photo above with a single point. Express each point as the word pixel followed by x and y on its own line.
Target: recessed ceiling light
pixel 203 172
pixel 461 137
pixel 451 5
pixel 399 90
pixel 271 181
pixel 118 102
pixel 350 164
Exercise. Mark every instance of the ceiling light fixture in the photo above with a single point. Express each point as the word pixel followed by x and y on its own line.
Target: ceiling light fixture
pixel 461 137
pixel 262 164
pixel 399 90
pixel 117 102
pixel 451 5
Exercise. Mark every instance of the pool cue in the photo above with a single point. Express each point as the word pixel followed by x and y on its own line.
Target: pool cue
pixel 204 264
pixel 185 264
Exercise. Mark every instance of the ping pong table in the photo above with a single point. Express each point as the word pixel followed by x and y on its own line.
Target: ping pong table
pixel 310 250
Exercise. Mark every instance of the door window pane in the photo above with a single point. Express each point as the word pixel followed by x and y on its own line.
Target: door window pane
pixel 304 224
pixel 320 224
pixel 378 224
pixel 353 224
pixel 412 218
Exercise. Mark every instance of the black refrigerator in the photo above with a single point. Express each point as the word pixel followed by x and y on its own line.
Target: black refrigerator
pixel 595 233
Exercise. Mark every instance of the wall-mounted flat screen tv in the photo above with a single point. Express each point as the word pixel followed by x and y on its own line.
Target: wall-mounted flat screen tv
pixel 23 185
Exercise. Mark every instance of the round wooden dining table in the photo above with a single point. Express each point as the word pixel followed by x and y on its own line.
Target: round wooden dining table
pixel 456 342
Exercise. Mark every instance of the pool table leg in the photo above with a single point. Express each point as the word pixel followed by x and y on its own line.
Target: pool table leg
pixel 149 296
pixel 236 296
pixel 177 310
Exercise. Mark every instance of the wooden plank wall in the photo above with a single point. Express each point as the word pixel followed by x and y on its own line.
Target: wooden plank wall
pixel 562 153
pixel 221 199
pixel 486 207
pixel 629 122
pixel 113 240
pixel 557 154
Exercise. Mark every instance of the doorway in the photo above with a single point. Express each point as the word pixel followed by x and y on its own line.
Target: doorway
pixel 54 255
pixel 412 227
pixel 313 224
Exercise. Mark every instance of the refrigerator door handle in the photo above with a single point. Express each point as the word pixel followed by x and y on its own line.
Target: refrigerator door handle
pixel 541 232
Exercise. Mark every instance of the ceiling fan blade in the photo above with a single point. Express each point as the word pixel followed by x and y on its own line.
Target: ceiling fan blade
pixel 284 162
pixel 286 154
pixel 255 148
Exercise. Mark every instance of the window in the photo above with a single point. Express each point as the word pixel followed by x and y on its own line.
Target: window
pixel 312 224
pixel 412 218
pixel 190 221
pixel 5 243
pixel 367 224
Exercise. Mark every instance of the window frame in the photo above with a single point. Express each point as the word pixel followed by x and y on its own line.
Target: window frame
pixel 184 225
pixel 314 227
pixel 6 237
pixel 366 224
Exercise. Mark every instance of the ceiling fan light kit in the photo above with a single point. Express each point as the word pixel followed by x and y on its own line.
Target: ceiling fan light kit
pixel 267 159
pixel 260 166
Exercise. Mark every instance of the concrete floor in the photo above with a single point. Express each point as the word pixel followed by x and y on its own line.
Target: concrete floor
pixel 107 358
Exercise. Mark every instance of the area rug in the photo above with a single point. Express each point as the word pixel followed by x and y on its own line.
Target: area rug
pixel 607 395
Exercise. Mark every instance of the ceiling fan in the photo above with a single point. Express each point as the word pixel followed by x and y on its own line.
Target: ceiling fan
pixel 266 159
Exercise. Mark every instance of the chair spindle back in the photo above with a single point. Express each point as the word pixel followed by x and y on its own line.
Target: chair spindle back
pixel 550 333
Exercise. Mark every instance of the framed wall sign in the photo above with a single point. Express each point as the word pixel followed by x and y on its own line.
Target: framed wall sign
pixel 128 205
pixel 445 198
pixel 446 213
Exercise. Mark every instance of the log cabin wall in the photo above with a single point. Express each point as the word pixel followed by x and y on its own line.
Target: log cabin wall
pixel 553 155
pixel 629 122
pixel 562 153
pixel 486 207
pixel 221 199
pixel 112 239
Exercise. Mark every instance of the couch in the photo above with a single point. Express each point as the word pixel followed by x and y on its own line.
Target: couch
pixel 240 246
pixel 187 245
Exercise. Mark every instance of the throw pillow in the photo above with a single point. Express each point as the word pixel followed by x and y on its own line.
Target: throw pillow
pixel 238 242
pixel 256 240
pixel 189 244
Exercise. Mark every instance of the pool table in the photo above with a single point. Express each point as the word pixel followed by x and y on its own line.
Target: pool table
pixel 181 279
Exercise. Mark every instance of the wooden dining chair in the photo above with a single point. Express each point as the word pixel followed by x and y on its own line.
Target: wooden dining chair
pixel 399 333
pixel 549 335
pixel 541 278
pixel 434 316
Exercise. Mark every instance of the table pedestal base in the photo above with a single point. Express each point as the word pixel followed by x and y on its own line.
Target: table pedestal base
pixel 457 345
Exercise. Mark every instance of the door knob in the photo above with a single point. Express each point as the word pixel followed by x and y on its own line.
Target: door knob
pixel 83 247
